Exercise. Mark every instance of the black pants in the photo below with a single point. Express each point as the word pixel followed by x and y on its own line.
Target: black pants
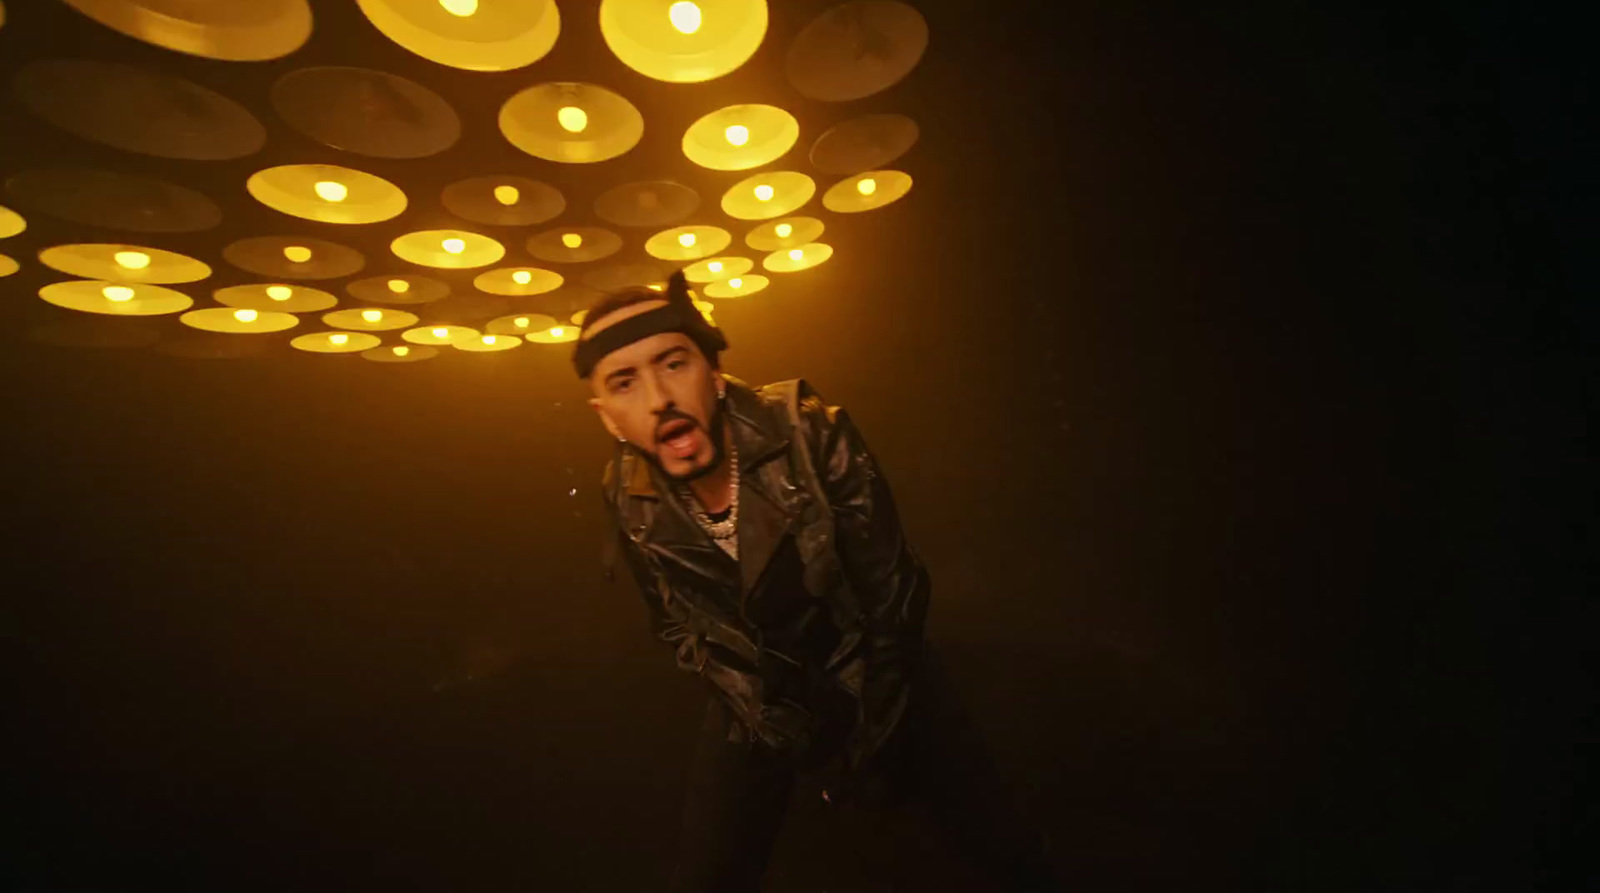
pixel 738 794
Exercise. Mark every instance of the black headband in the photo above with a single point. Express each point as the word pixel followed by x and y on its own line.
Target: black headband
pixel 670 318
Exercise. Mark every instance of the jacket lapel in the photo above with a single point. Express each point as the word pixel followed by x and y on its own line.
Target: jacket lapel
pixel 764 518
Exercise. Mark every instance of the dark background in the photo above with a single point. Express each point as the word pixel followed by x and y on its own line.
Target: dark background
pixel 1226 365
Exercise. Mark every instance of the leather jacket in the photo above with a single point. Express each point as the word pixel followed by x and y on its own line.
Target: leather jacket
pixel 811 638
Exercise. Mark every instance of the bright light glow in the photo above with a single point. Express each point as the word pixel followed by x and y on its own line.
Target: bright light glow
pixel 736 282
pixel 522 277
pixel 117 293
pixel 737 134
pixel 867 186
pixel 372 315
pixel 399 286
pixel 279 292
pixel 441 332
pixel 572 119
pixel 330 191
pixel 401 351
pixel 454 246
pixel 297 253
pixel 571 240
pixel 131 260
pixel 338 338
pixel 764 193
pixel 715 266
pixel 245 315
pixel 685 16
pixel 507 195
pixel 796 254
pixel 557 332
pixel 783 230
pixel 522 322
pixel 686 240
pixel 461 8
pixel 653 287
pixel 488 339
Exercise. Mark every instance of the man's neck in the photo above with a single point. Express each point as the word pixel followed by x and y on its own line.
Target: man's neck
pixel 712 491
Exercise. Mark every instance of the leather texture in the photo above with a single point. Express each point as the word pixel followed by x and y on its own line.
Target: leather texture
pixel 812 638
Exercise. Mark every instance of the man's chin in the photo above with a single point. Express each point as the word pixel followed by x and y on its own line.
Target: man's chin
pixel 682 470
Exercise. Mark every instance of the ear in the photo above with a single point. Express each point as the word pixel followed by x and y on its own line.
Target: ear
pixel 605 419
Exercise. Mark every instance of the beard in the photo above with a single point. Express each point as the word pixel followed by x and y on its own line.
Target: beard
pixel 718 452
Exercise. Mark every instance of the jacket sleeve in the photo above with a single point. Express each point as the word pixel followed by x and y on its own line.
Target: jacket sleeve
pixel 889 581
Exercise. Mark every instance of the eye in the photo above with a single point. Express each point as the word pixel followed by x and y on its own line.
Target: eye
pixel 621 385
pixel 676 364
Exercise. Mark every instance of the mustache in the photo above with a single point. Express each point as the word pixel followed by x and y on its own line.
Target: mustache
pixel 670 418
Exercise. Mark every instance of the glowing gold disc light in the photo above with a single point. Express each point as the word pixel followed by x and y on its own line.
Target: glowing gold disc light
pixel 7 266
pixel 683 42
pixel 740 137
pixel 335 342
pixel 557 334
pixel 234 30
pixel 519 324
pixel 400 353
pixel 685 243
pixel 803 257
pixel 91 296
pixel 866 192
pixel 736 287
pixel 518 281
pixel 541 120
pixel 125 263
pixel 407 289
pixel 293 257
pixel 439 335
pixel 488 343
pixel 715 268
pixel 493 36
pixel 371 319
pixel 327 193
pixel 786 233
pixel 275 297
pixel 785 191
pixel 448 249
pixel 11 223
pixel 503 200
pixel 239 322
pixel 574 245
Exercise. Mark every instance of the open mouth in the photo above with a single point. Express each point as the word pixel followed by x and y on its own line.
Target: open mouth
pixel 678 437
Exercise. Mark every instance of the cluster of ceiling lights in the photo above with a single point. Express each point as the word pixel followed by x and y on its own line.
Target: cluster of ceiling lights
pixel 563 122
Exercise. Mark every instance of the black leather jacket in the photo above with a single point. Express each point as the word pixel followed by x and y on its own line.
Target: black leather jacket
pixel 811 637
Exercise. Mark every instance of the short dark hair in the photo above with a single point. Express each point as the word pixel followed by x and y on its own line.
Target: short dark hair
pixel 611 302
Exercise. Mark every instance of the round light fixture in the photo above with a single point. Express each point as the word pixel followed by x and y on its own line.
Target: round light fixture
pixel 802 257
pixel 740 137
pixel 498 36
pixel 713 269
pixel 574 245
pixel 124 263
pixel 447 248
pixel 768 195
pixel 91 296
pixel 518 281
pixel 571 123
pixel 232 30
pixel 327 193
pixel 866 191
pixel 276 298
pixel 686 243
pixel 736 287
pixel 783 234
pixel 685 42
pixel 503 200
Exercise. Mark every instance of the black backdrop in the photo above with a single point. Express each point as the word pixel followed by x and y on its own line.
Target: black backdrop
pixel 1224 365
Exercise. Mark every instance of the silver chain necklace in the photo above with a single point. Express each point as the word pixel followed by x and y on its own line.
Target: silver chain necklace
pixel 724 533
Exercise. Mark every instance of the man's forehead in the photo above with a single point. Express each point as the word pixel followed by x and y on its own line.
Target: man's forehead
pixel 640 353
pixel 620 314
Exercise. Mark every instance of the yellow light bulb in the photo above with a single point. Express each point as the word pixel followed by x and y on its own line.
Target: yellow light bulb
pixel 737 134
pixel 783 230
pixel 399 286
pixel 867 186
pixel 686 240
pixel 441 332
pixel 246 315
pixel 715 266
pixel 685 16
pixel 522 277
pixel 131 260
pixel 736 282
pixel 454 246
pixel 488 339
pixel 522 322
pixel 557 332
pixel 572 119
pixel 279 292
pixel 461 8
pixel 796 254
pixel 401 351
pixel 297 253
pixel 330 191
pixel 338 338
pixel 117 293
pixel 372 315
pixel 507 195
pixel 571 240
pixel 764 193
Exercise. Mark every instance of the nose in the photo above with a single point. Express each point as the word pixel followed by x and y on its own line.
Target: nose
pixel 656 395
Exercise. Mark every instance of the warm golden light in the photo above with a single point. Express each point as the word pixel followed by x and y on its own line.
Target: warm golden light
pixel 685 16
pixel 715 266
pixel 132 260
pixel 488 339
pixel 461 8
pixel 522 277
pixel 736 282
pixel 246 315
pixel 338 338
pixel 654 287
pixel 867 186
pixel 522 322
pixel 796 254
pixel 280 292
pixel 764 193
pixel 686 240
pixel 557 332
pixel 507 195
pixel 737 134
pixel 454 246
pixel 330 191
pixel 297 253
pixel 401 351
pixel 441 332
pixel 783 230
pixel 372 315
pixel 117 293
pixel 399 286
pixel 572 119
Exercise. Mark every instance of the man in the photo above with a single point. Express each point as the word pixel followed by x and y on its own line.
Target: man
pixel 765 542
